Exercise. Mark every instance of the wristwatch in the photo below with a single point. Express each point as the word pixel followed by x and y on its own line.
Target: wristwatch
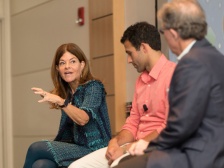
pixel 65 103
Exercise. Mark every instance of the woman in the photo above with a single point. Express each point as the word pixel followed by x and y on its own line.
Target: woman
pixel 84 125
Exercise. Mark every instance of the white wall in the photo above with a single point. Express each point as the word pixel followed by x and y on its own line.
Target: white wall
pixel 18 6
pixel 38 28
pixel 136 11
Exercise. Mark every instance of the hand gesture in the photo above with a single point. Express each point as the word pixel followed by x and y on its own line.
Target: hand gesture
pixel 47 97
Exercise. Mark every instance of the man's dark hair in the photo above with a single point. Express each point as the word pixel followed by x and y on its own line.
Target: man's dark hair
pixel 142 32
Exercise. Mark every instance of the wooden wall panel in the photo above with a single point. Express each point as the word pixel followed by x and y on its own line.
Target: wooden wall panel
pixel 102 37
pixel 119 63
pixel 101 50
pixel 103 69
pixel 100 8
pixel 106 28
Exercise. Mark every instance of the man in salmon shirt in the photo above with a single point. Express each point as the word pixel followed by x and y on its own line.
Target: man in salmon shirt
pixel 150 103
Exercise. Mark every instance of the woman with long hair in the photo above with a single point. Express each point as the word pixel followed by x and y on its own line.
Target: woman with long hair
pixel 84 125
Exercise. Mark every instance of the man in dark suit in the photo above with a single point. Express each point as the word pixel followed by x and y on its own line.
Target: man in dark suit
pixel 194 136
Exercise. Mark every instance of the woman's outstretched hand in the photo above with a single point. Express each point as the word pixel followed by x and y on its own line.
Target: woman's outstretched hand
pixel 47 97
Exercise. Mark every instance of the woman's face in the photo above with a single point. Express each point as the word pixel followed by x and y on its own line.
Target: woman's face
pixel 69 67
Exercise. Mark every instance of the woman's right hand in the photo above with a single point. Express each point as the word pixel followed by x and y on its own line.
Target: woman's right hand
pixel 47 97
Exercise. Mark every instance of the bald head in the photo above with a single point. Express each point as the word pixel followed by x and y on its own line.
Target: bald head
pixel 186 17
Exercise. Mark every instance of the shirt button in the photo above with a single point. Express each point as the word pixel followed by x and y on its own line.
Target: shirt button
pixel 146 115
pixel 148 84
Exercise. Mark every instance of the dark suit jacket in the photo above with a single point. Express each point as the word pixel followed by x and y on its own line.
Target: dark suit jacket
pixel 194 136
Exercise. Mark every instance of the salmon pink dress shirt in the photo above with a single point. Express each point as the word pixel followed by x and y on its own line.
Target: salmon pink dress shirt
pixel 151 90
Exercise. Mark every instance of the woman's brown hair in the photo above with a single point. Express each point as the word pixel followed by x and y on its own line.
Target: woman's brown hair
pixel 62 88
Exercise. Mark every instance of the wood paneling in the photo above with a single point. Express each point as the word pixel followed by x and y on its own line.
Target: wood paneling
pixel 119 63
pixel 100 8
pixel 102 37
pixel 107 54
pixel 103 68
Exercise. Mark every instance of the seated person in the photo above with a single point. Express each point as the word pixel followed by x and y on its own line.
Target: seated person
pixel 149 106
pixel 193 137
pixel 84 125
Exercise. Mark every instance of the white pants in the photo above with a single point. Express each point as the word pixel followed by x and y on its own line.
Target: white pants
pixel 95 159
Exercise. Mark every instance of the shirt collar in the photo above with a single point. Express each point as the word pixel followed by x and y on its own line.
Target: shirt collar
pixel 186 50
pixel 155 71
